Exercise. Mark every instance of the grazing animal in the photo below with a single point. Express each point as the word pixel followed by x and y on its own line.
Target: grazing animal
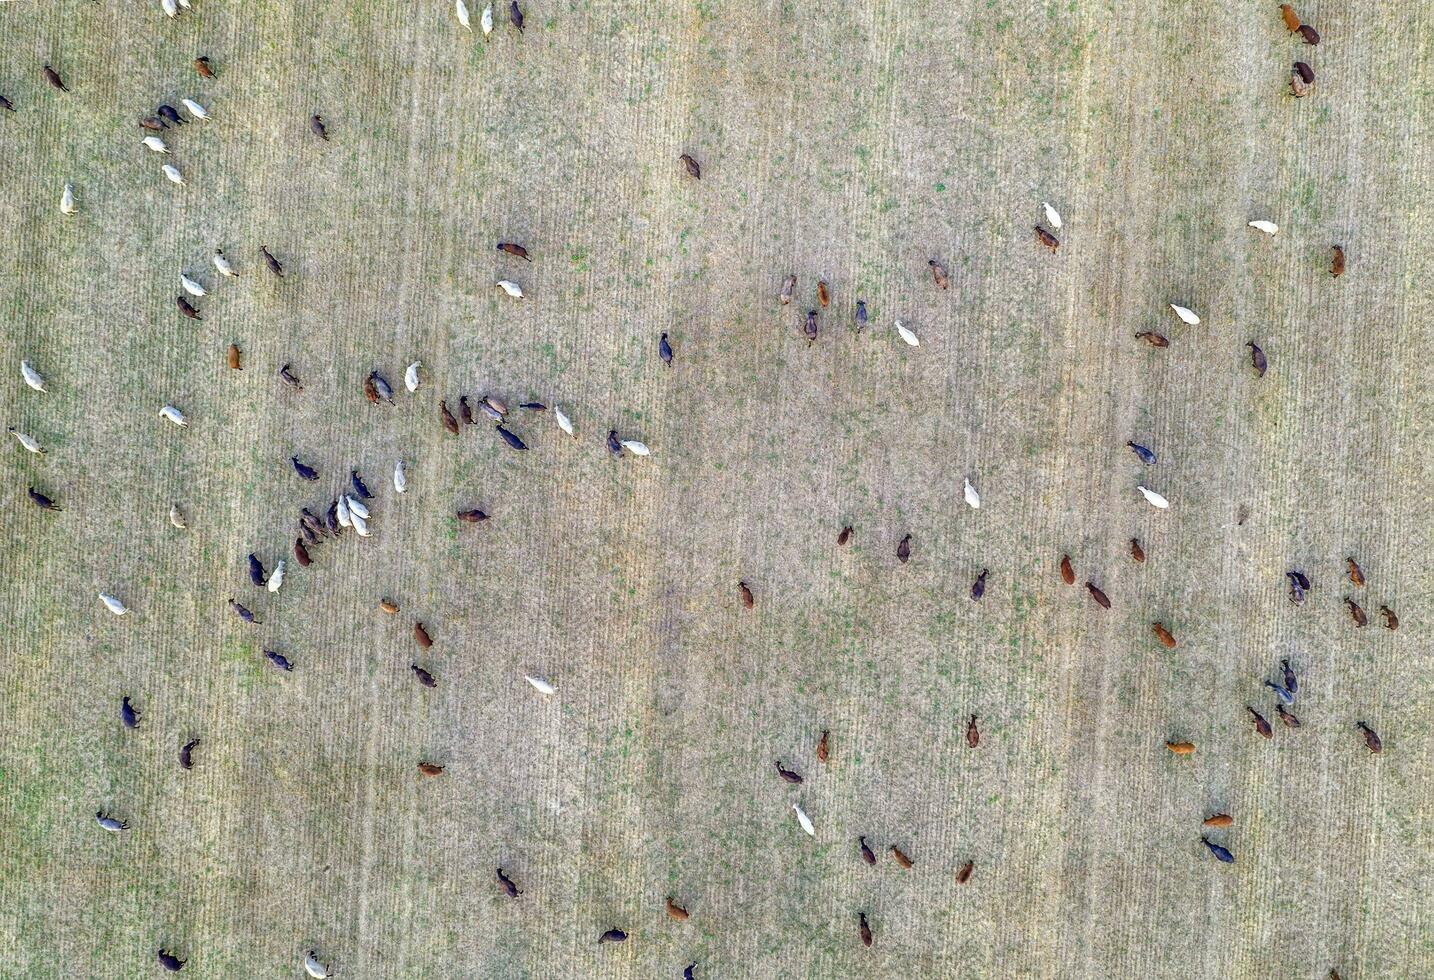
pixel 1290 720
pixel 789 284
pixel 472 516
pixel 313 967
pixel 1154 499
pixel 939 274
pixel 170 115
pixel 1218 820
pixel 824 294
pixel 1181 748
pixel 1285 695
pixel 1302 76
pixel 866 854
pixel 388 606
pixel 421 637
pixel 318 127
pixel 110 823
pixel 488 410
pixel 32 377
pixel 1292 683
pixel 518 444
pixel 787 774
pixel 824 747
pixel 1144 455
pixel 540 685
pixel 449 422
pixel 613 936
pixel 676 912
pixel 67 200
pixel 534 406
pixel 430 769
pixel 128 714
pixel 171 962
pixel 271 262
pixel 664 350
pixel 1370 738
pixel 1299 585
pixel 381 387
pixel 187 308
pixel 513 249
pixel 1137 553
pixel 1152 338
pixel 810 327
pixel 201 65
pixel 515 14
pixel 234 357
pixel 973 499
pixel 276 577
pixel 465 411
pixel 1336 265
pixel 1099 596
pixel 1292 19
pixel 155 144
pixel 1391 621
pixel 359 486
pixel 900 857
pixel 864 929
pixel 1310 35
pixel 1221 854
pixel 243 612
pixel 410 376
pixel 510 287
pixel 636 448
pixel 461 9
pixel 1067 572
pixel 1052 215
pixel 154 124
pixel 301 554
pixel 1356 613
pixel 222 263
pixel 978 587
pixel 195 109
pixel 804 820
pixel 41 501
pixel 26 440
pixel 256 570
pixel 6 104
pixel 903 550
pixel 693 169
pixel 1186 315
pixel 1047 239
pixel 424 677
pixel 305 471
pixel 186 754
pixel 1257 359
pixel 973 734
pixel 278 660
pixel 614 444
pixel 964 875
pixel 487 20
pixel 509 887
pixel 844 536
pixel 53 77
pixel 113 604
pixel 1163 635
pixel 1262 727
pixel 746 592
pixel 564 423
pixel 290 378
pixel 172 174
pixel 1268 227
pixel 1356 574
pixel 861 316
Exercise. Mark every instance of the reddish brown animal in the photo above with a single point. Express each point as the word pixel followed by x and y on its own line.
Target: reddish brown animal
pixel 900 857
pixel 1336 265
pixel 1163 635
pixel 1356 613
pixel 1218 820
pixel 866 854
pixel 1391 621
pixel 1262 727
pixel 939 274
pixel 1152 338
pixel 1356 574
pixel 421 636
pixel 1137 553
pixel 824 747
pixel 1067 572
pixel 1371 739
pixel 973 734
pixel 964 875
pixel 1292 19
pixel 844 536
pixel 1047 239
pixel 746 592
pixel 676 912
pixel 449 422
pixel 1100 597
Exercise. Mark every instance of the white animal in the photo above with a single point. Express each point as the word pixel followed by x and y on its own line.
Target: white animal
pixel 564 423
pixel 487 20
pixel 356 508
pixel 511 288
pixel 543 686
pixel 222 264
pixel 171 9
pixel 1155 499
pixel 27 441
pixel 635 447
pixel 461 9
pixel 155 143
pixel 1052 215
pixel 32 377
pixel 360 525
pixel 1185 315
pixel 113 604
pixel 195 109
pixel 410 376
pixel 400 480
pixel 312 966
pixel 184 4
pixel 805 821
pixel 173 414
pixel 907 335
pixel 172 172
pixel 176 517
pixel 1268 227
pixel 972 497
pixel 276 577
pixel 342 512
pixel 67 200
pixel 191 287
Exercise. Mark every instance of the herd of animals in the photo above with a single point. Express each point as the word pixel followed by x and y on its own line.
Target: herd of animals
pixel 349 509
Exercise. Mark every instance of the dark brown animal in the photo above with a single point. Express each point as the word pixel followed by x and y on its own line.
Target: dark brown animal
pixel 154 124
pixel 613 936
pixel 1152 338
pixel 1290 720
pixel 1137 553
pixel 964 875
pixel 973 734
pixel 170 115
pixel 1356 613
pixel 787 774
pixel 866 854
pixel 290 379
pixel 939 275
pixel 53 77
pixel 472 516
pixel 1305 72
pixel 423 676
pixel 861 315
pixel 1391 621
pixel 903 550
pixel 1257 359
pixel 301 554
pixel 515 14
pixel 201 65
pixel 1047 239
pixel 129 715
pixel 449 422
pixel 316 125
pixel 465 411
pixel 824 747
pixel 676 912
pixel 243 612
pixel 421 637
pixel 824 295
pixel 186 308
pixel 430 769
pixel 1099 596
pixel 1262 727
pixel 1336 265
pixel 171 962
pixel 41 501
pixel 186 754
pixel 271 262
pixel 746 592
pixel 6 104
pixel 664 350
pixel 978 587
pixel 514 249
pixel 509 888
pixel 863 929
pixel 1356 574
pixel 1310 35
pixel 1218 820
pixel 388 606
pixel 1371 739
pixel 1067 572
pixel 1292 19
pixel 900 857
pixel 844 536
pixel 1163 635
pixel 614 444
pixel 693 170
pixel 810 327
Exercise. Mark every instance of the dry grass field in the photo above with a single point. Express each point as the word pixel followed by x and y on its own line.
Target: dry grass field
pixel 845 141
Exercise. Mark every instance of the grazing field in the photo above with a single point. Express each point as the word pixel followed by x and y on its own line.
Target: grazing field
pixel 849 142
